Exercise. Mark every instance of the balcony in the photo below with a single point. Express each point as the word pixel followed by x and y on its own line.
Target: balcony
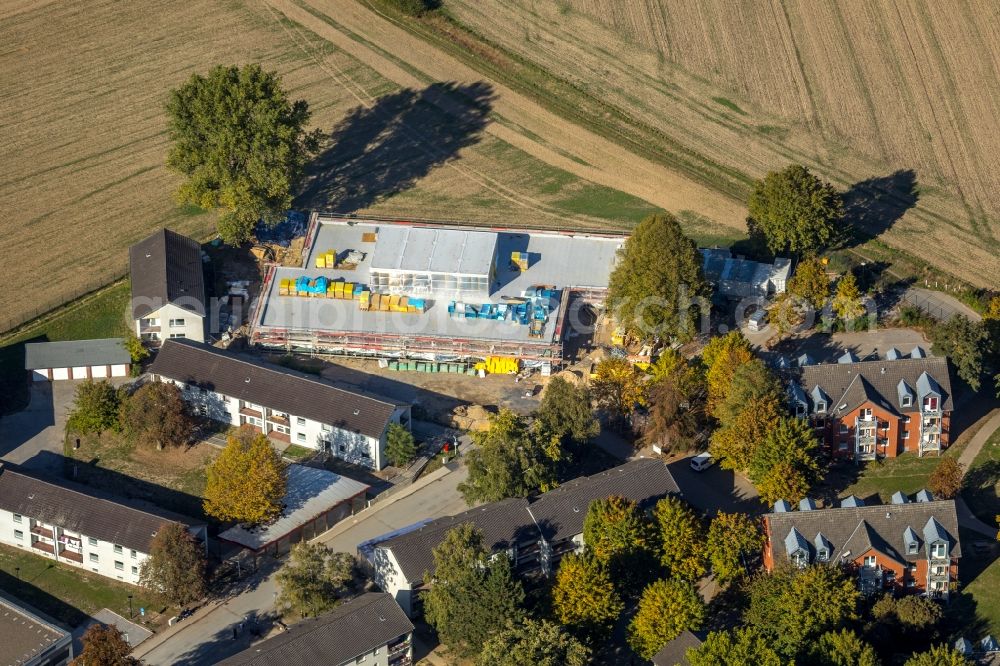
pixel 279 436
pixel 399 649
pixel 42 532
pixel 71 556
pixel 44 547
pixel 246 411
pixel 278 419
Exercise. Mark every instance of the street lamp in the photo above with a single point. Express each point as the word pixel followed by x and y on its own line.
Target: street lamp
pixel 17 572
pixel 130 614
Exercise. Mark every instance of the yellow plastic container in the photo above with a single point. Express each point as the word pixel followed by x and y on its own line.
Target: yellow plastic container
pixel 321 261
pixel 338 289
pixel 331 259
pixel 348 290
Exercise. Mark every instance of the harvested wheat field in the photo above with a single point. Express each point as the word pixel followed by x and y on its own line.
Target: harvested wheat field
pixel 895 90
pixel 83 135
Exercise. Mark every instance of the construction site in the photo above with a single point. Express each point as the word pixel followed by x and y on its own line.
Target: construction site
pixel 449 298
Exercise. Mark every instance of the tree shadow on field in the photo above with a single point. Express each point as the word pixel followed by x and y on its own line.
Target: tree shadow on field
pixel 872 206
pixel 379 151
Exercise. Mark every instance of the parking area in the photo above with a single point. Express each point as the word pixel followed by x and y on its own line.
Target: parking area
pixel 716 489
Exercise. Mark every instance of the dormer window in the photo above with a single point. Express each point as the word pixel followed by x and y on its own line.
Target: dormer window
pixel 939 550
pixel 800 409
pixel 822 555
pixel 931 403
pixel 912 548
pixel 907 401
pixel 820 407
pixel 800 558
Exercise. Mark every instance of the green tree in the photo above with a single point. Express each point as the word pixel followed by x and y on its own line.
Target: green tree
pixel 314 578
pixel 509 462
pixel 666 608
pixel 785 465
pixel 618 388
pixel 400 448
pixel 682 539
pixel 795 210
pixel 105 645
pixel 175 567
pixel 918 614
pixel 540 643
pixel 618 535
pixel 740 647
pixel 736 444
pixel 136 350
pixel 247 482
pixel 733 541
pixel 946 479
pixel 95 408
pixel 565 416
pixel 657 275
pixel 241 144
pixel 750 380
pixel 583 596
pixel 962 341
pixel 157 413
pixel 842 648
pixel 722 356
pixel 471 595
pixel 793 607
pixel 847 303
pixel 677 419
pixel 939 655
pixel 810 282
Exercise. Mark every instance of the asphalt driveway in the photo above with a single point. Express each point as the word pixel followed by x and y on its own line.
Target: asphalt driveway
pixel 716 489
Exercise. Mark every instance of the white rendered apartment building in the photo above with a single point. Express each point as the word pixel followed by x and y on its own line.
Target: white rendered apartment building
pixel 286 406
pixel 168 288
pixel 71 524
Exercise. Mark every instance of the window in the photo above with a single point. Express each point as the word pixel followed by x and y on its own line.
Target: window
pixel 177 335
pixel 821 406
pixel 283 429
pixel 342 448
pixel 119 565
pixel 866 414
pixel 376 651
pixel 931 403
pixel 118 549
pixel 301 421
pixel 843 428
pixel 92 541
pixel 132 554
pixel 361 659
pixel 225 399
pixel 176 322
pixel 135 571
pixel 325 428
pixel 822 555
pixel 906 434
pixel 93 557
pixel 939 550
pixel 907 400
pixel 912 548
pixel 800 558
pixel 870 561
pixel 301 437
pixel 938 570
pixel 906 419
pixel 18 534
pixel 17 518
pixel 911 583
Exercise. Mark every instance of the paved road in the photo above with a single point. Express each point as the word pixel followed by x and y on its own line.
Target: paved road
pixel 208 638
pixel 40 426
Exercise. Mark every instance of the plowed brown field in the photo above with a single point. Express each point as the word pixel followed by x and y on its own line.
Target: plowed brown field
pixel 857 90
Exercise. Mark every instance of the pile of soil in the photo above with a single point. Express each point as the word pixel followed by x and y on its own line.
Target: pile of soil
pixel 470 417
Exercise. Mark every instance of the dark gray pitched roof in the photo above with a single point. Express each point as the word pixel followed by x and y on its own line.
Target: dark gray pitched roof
pixel 859 528
pixel 352 629
pixel 276 388
pixel 166 268
pixel 559 513
pixel 674 653
pixel 81 509
pixel 74 353
pixel 851 384
pixel 503 524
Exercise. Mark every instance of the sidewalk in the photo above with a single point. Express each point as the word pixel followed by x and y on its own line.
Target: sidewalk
pixel 976 445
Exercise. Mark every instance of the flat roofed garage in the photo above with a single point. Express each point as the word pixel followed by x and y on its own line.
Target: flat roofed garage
pixel 77 359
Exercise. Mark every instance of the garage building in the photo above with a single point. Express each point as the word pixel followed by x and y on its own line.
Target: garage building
pixel 77 359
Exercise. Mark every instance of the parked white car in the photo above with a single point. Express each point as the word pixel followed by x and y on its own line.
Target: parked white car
pixel 702 461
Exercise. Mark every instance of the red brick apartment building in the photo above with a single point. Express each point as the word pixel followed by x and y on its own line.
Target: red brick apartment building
pixel 903 547
pixel 877 409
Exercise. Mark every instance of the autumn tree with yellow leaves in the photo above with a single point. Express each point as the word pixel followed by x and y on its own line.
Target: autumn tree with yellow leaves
pixel 247 482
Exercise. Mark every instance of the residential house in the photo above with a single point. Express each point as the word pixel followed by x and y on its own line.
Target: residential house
pixel 877 409
pixel 27 639
pixel 168 288
pixel 370 629
pixel 736 277
pixel 534 533
pixel 75 525
pixel 77 359
pixel 285 405
pixel 901 547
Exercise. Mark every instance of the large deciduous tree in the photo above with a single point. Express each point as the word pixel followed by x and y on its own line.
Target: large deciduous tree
pixel 939 655
pixel 656 279
pixel 314 578
pixel 842 648
pixel 157 413
pixel 847 301
pixel 736 444
pixel 785 465
pixel 682 539
pixel 175 567
pixel 565 416
pixel 400 448
pixel 666 608
pixel 750 380
pixel 241 144
pixel 963 342
pixel 535 642
pixel 619 536
pixel 739 647
pixel 810 282
pixel 795 210
pixel 247 482
pixel 472 595
pixel 946 479
pixel 584 597
pixel 95 408
pixel 733 541
pixel 618 388
pixel 509 462
pixel 105 645
pixel 722 356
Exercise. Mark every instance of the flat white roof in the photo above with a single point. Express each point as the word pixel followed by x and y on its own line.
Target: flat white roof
pixel 311 492
pixel 422 249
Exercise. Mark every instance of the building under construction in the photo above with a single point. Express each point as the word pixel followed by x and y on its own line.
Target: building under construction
pixel 433 292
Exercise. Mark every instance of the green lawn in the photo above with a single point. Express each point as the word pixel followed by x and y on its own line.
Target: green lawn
pixel 296 452
pixel 906 472
pixel 101 315
pixel 68 594
pixel 982 482
pixel 985 592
